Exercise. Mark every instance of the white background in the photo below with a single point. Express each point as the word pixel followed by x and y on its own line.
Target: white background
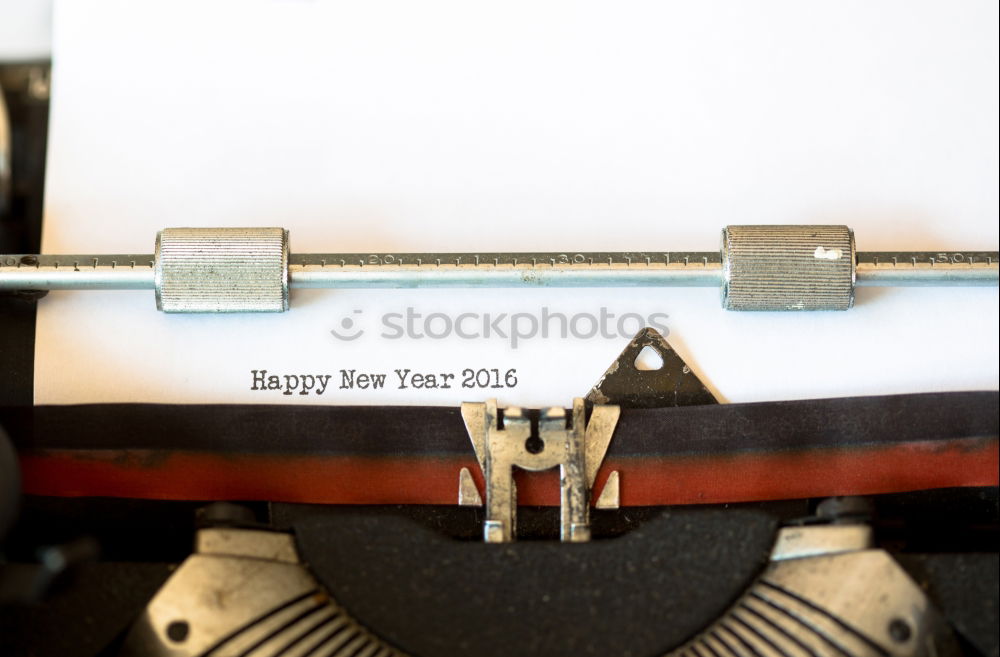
pixel 25 29
pixel 384 126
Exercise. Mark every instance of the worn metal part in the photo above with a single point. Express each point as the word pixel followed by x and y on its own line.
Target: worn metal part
pixel 122 271
pixel 787 268
pixel 844 600
pixel 611 494
pixel 841 598
pixel 221 270
pixel 626 385
pixel 246 542
pixel 569 442
pixel 797 542
pixel 673 383
pixel 925 268
pixel 494 269
pixel 468 493
pixel 759 268
pixel 246 592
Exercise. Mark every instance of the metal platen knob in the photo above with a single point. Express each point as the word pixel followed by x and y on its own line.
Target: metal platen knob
pixel 787 268
pixel 221 270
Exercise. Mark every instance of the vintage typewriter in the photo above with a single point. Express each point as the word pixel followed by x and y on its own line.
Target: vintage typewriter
pixel 644 518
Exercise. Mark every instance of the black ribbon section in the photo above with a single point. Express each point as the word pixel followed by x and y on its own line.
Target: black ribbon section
pixel 404 431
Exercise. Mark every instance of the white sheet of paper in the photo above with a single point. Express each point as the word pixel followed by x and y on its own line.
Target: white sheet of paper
pixel 385 125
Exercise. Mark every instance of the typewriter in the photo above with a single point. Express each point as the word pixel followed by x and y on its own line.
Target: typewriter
pixel 643 517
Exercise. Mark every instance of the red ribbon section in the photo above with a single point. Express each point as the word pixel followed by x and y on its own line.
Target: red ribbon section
pixel 687 479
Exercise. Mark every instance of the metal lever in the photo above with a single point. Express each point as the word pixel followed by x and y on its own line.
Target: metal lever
pixel 572 444
pixel 250 269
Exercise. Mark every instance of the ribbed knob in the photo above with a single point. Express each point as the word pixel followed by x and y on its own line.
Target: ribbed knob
pixel 787 267
pixel 221 270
